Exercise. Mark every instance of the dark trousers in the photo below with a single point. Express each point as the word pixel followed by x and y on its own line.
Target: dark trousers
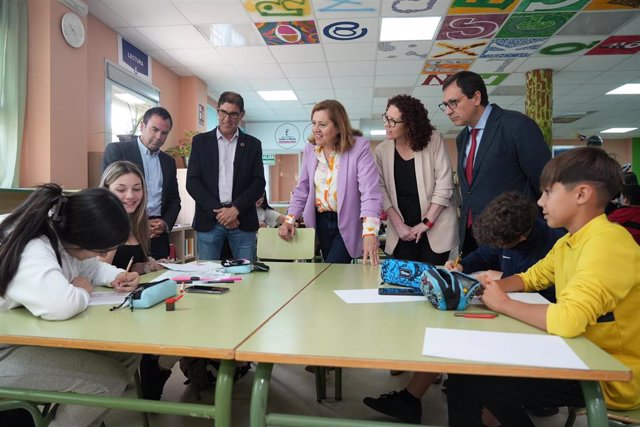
pixel 160 246
pixel 505 397
pixel 331 244
pixel 420 252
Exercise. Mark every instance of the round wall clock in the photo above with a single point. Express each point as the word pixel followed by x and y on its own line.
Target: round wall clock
pixel 73 29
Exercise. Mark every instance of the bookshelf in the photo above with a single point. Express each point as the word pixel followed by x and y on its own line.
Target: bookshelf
pixel 183 238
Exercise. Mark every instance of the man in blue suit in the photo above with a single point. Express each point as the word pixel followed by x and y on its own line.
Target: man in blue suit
pixel 159 169
pixel 506 148
pixel 226 177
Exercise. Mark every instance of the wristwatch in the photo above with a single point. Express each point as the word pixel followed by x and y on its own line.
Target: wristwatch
pixel 427 222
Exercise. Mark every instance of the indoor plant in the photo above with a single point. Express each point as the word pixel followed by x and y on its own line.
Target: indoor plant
pixel 183 148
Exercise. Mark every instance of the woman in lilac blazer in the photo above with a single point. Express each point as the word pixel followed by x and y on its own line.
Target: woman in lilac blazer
pixel 338 192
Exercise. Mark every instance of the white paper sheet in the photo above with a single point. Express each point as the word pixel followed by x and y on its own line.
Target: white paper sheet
pixel 369 296
pixel 528 297
pixel 501 347
pixel 192 267
pixel 106 298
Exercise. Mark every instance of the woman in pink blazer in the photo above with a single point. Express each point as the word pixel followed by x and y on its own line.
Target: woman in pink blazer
pixel 338 192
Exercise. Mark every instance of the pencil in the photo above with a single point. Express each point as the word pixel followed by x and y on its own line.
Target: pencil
pixel 455 264
pixel 129 265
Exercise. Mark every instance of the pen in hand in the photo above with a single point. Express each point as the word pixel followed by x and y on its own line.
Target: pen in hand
pixel 129 265
pixel 455 264
pixel 119 286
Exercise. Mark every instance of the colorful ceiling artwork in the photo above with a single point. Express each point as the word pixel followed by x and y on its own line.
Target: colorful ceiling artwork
pixel 332 48
pixel 292 32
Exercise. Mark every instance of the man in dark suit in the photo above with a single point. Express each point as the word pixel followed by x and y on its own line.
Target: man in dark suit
pixel 506 148
pixel 163 199
pixel 225 178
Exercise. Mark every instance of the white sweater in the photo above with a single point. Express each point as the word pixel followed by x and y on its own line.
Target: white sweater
pixel 44 287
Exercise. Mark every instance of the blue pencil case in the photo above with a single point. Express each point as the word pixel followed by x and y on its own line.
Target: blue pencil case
pixel 149 294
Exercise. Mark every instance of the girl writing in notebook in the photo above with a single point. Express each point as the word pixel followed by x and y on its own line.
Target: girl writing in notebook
pixel 48 248
pixel 126 181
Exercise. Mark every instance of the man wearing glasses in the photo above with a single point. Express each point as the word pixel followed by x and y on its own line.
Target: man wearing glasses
pixel 225 177
pixel 498 150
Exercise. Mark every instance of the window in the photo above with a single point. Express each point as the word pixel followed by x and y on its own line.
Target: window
pixel 127 98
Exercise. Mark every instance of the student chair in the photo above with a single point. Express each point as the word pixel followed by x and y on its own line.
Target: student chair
pixel 616 418
pixel 301 247
pixel 272 247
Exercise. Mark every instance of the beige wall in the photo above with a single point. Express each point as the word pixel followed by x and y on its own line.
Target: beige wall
pixel 65 113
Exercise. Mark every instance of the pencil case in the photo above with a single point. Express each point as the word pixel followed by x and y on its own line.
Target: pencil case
pixel 237 266
pixel 149 294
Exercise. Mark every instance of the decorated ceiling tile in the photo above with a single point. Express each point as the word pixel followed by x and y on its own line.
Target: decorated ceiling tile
pixel 346 8
pixel 450 66
pixel 572 46
pixel 275 10
pixel 551 5
pixel 493 79
pixel 435 79
pixel 613 4
pixel 404 50
pixel 459 27
pixel 497 65
pixel 465 7
pixel 617 45
pixel 414 7
pixel 291 32
pixel 527 25
pixel 349 30
pixel 453 49
pixel 512 48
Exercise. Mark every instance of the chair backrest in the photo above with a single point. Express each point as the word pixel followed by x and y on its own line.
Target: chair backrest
pixel 301 247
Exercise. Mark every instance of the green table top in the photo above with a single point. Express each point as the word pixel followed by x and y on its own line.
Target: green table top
pixel 201 326
pixel 318 328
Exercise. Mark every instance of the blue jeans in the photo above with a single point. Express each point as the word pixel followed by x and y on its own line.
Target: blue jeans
pixel 243 243
pixel 331 243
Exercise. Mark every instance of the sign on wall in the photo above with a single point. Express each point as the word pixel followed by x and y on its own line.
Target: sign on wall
pixel 133 59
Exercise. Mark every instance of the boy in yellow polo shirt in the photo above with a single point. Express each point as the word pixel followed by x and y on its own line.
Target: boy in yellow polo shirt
pixel 596 271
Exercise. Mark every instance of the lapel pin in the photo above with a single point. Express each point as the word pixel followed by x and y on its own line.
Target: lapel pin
pixel 242 144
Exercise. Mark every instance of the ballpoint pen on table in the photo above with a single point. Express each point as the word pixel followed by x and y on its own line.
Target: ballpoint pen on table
pixel 476 315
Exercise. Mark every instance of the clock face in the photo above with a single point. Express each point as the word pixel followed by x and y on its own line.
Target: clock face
pixel 73 29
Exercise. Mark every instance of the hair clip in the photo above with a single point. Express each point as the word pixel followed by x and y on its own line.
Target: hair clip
pixel 56 213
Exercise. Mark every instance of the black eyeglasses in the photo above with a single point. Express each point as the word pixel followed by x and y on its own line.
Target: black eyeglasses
pixel 452 103
pixel 223 114
pixel 390 122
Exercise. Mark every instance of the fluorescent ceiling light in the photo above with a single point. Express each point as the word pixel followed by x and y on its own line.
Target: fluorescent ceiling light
pixel 618 130
pixel 398 29
pixel 377 132
pixel 277 95
pixel 628 89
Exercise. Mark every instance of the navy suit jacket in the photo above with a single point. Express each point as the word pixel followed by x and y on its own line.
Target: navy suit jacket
pixel 248 180
pixel 510 157
pixel 170 195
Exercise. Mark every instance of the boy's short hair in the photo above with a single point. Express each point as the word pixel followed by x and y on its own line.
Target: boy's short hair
pixel 505 220
pixel 632 192
pixel 585 164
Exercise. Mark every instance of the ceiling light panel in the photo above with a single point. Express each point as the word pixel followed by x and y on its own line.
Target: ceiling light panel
pixel 277 95
pixel 403 29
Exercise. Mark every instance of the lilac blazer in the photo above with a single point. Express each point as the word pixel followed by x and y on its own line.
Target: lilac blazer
pixel 358 191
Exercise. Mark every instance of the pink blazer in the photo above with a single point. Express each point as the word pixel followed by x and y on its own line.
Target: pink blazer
pixel 359 192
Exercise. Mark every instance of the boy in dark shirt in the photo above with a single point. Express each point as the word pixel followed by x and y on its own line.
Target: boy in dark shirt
pixel 512 237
